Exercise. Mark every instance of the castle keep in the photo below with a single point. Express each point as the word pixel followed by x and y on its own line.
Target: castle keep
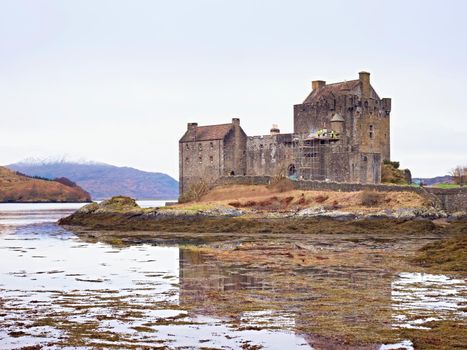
pixel 340 134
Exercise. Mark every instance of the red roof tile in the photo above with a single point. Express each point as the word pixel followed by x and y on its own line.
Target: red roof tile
pixel 351 87
pixel 333 89
pixel 205 133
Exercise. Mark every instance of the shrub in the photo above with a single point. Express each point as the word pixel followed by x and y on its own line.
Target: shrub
pixel 194 194
pixel 459 175
pixel 235 204
pixel 267 202
pixel 394 164
pixel 65 181
pixel 302 200
pixel 281 185
pixel 370 198
pixel 321 198
pixel 390 173
pixel 333 206
pixel 287 200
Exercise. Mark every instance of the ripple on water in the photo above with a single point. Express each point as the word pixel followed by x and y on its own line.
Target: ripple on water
pixel 419 298
pixel 106 294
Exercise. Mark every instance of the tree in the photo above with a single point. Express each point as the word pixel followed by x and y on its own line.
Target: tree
pixel 459 175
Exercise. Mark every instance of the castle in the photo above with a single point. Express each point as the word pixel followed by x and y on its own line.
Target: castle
pixel 341 134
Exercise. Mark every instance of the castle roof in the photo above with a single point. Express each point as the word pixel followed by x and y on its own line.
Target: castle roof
pixel 206 133
pixel 350 87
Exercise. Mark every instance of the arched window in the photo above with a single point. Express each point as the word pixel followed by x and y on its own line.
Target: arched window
pixel 291 171
pixel 232 173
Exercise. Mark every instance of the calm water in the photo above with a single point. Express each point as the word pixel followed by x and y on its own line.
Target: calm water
pixel 59 291
pixel 52 284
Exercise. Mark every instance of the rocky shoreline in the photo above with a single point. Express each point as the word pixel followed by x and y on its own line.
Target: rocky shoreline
pixel 122 213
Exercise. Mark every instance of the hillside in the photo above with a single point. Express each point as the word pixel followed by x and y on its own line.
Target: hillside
pixel 104 180
pixel 430 181
pixel 19 188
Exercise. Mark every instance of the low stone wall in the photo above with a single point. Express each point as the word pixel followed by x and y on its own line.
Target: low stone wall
pixel 451 200
pixel 315 185
pixel 351 187
pixel 243 180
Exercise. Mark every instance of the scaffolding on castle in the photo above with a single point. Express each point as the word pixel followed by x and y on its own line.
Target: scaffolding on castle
pixel 309 156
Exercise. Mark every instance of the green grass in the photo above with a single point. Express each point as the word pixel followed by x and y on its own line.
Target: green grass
pixel 446 186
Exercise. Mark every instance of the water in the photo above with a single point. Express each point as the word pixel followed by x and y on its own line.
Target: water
pixel 33 213
pixel 62 290
pixel 52 284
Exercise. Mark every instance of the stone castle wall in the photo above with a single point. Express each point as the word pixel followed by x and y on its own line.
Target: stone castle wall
pixel 452 199
pixel 269 155
pixel 352 109
pixel 200 161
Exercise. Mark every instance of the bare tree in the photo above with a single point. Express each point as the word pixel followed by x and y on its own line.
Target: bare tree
pixel 459 174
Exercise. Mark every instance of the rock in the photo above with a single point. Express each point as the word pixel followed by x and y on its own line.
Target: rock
pixel 221 211
pixel 382 214
pixel 321 212
pixel 458 216
pixel 339 215
pixel 424 213
pixel 311 212
pixel 89 208
pixel 117 204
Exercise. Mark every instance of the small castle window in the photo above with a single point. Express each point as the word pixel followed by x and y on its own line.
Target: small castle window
pixel 200 159
pixel 365 158
pixel 187 146
pixel 211 145
pixel 187 160
pixel 371 129
pixel 200 147
pixel 261 146
pixel 211 159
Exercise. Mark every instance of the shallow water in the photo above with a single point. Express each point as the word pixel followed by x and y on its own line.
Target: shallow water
pixel 60 291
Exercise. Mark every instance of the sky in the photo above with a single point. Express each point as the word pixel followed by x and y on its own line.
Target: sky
pixel 117 81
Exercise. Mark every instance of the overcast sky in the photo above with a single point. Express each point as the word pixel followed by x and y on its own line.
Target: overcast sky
pixel 117 81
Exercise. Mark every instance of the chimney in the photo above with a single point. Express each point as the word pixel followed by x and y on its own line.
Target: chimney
pixel 364 78
pixel 275 130
pixel 192 126
pixel 317 84
pixel 236 121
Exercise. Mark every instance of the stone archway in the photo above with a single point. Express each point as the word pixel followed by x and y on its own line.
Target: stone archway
pixel 291 171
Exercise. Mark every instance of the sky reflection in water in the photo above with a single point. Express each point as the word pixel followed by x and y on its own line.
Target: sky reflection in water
pixel 47 272
pixel 53 284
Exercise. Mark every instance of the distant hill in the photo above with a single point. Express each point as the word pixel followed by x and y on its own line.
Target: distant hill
pixel 15 187
pixel 430 181
pixel 104 180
